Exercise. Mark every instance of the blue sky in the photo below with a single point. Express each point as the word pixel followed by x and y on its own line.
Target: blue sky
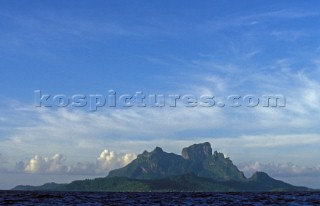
pixel 170 47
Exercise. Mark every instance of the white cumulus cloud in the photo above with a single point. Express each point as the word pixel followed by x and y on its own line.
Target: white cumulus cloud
pixel 39 164
pixel 57 164
pixel 109 160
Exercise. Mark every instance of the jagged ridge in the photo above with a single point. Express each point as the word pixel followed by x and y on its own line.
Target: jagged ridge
pixel 197 158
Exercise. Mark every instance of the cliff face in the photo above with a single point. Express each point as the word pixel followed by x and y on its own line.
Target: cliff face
pixel 197 158
pixel 197 151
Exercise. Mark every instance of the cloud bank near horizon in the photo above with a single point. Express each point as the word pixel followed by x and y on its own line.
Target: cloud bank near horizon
pixel 56 164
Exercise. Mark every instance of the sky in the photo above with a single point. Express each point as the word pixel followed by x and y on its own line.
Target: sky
pixel 213 48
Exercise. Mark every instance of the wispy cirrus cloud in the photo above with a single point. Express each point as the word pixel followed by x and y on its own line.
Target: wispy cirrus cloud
pixel 254 20
pixel 31 128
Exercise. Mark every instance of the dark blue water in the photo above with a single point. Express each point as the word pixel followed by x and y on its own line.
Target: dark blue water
pixel 149 198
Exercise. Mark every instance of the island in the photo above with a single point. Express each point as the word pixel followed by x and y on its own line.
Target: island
pixel 197 169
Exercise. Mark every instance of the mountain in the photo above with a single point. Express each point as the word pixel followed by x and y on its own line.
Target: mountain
pixel 196 169
pixel 197 158
pixel 259 182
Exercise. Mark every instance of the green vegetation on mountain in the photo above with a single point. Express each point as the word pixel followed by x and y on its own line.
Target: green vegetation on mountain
pixel 197 159
pixel 197 169
pixel 187 182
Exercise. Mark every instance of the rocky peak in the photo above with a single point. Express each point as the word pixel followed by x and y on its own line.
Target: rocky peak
pixel 218 155
pixel 157 150
pixel 260 176
pixel 197 151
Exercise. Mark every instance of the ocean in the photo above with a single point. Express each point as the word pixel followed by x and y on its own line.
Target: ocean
pixel 158 198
